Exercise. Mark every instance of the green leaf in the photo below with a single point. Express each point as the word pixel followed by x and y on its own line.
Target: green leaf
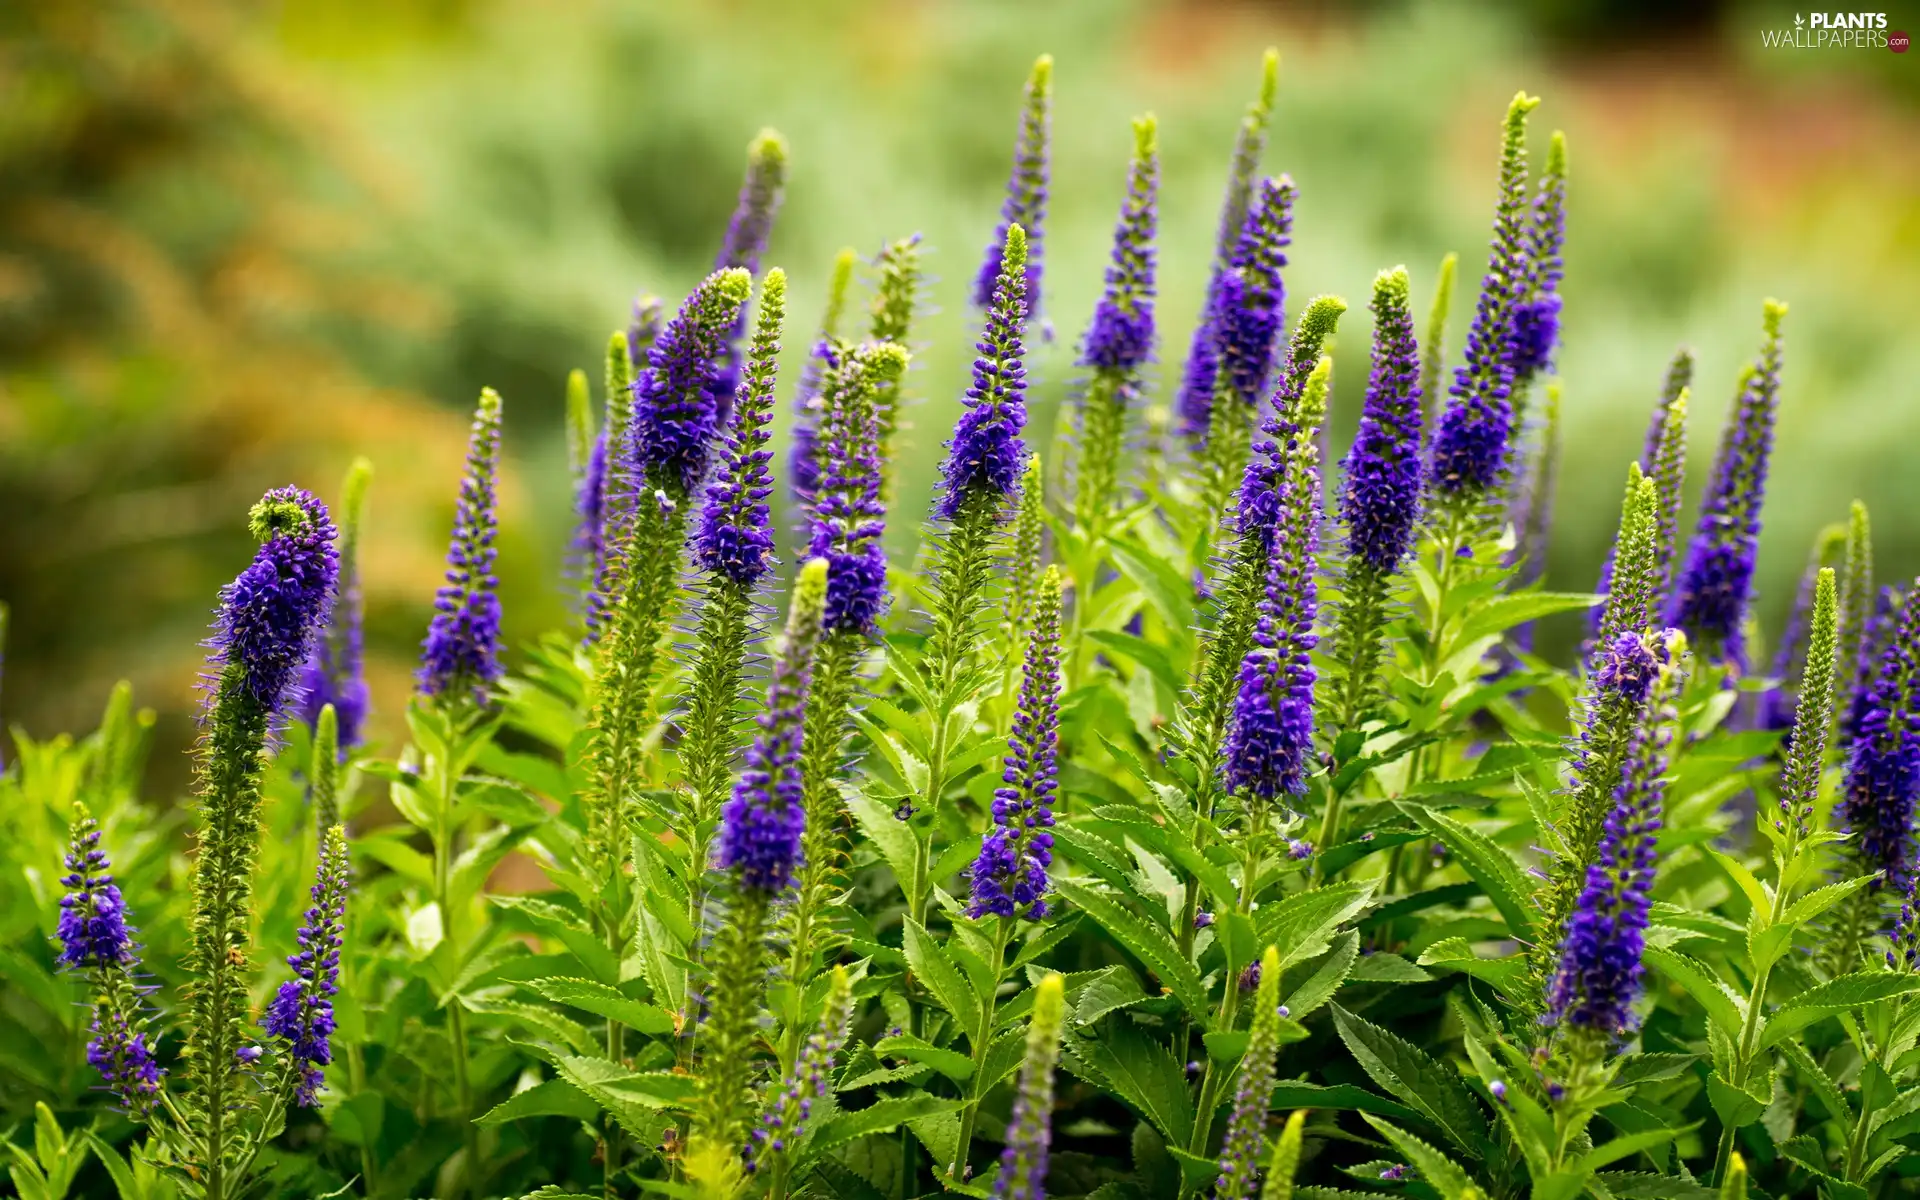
pixel 554 1098
pixel 1114 988
pixel 1406 1071
pixel 1386 967
pixel 1147 940
pixel 1821 899
pixel 556 1026
pixel 1815 1077
pixel 951 1063
pixel 882 1116
pixel 1834 996
pixel 1304 924
pixel 1700 983
pixel 604 1001
pixel 1737 1107
pixel 1490 866
pixel 1629 1145
pixel 1140 1072
pixel 1169 593
pixel 1434 1167
pixel 1504 612
pixel 930 967
pixel 886 833
pixel 1291 1094
pixel 1319 987
pixel 1154 659
pixel 1456 954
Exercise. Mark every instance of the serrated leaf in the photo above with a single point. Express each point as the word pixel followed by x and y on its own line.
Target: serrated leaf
pixel 1148 941
pixel 882 1116
pixel 1456 954
pixel 1141 1073
pixel 1293 1093
pixel 1434 1167
pixel 1700 983
pixel 1818 901
pixel 1628 1145
pixel 1386 967
pixel 1490 866
pixel 886 833
pixel 1407 1072
pixel 1319 987
pixel 1114 988
pixel 554 1098
pixel 1504 612
pixel 951 1063
pixel 604 1001
pixel 930 966
pixel 1834 996
pixel 1304 924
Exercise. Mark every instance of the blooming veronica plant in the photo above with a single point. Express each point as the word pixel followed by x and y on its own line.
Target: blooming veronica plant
pixel 1187 816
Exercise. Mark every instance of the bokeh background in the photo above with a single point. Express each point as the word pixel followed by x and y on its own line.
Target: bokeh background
pixel 241 243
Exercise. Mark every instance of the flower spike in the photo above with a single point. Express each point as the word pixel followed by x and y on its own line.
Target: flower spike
pixel 460 659
pixel 1023 1164
pixel 1536 313
pixel 1120 337
pixel 1883 771
pixel 1026 202
pixel 849 513
pixel 1010 874
pixel 674 412
pixel 335 672
pixel 1380 499
pixel 734 535
pixel 803 463
pixel 302 1010
pixel 986 454
pixel 748 231
pixel 1473 437
pixel 1246 1127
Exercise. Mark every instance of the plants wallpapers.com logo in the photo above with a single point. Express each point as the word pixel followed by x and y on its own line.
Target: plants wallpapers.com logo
pixel 1837 31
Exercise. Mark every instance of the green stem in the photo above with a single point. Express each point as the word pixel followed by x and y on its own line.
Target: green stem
pixel 456 1012
pixel 1214 1078
pixel 1863 1126
pixel 982 1041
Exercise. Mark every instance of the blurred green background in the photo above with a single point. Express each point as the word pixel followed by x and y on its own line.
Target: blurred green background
pixel 240 243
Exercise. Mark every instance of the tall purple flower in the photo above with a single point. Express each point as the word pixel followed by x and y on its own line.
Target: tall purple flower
pixel 1010 875
pixel 803 462
pixel 1598 978
pixel 461 656
pixel 1258 502
pixel 335 672
pixel 1245 1140
pixel 1710 599
pixel 1536 312
pixel 985 455
pixel 1473 437
pixel 302 1010
pixel 1269 746
pixel 1120 336
pixel 734 536
pixel 762 824
pixel 1883 769
pixel 849 515
pixel 1023 1164
pixel 748 231
pixel 674 412
pixel 270 612
pixel 1026 202
pixel 1380 499
pixel 93 918
pixel 1195 402
pixel 1247 308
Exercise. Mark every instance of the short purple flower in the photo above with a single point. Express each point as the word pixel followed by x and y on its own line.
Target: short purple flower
pixel 93 918
pixel 1010 875
pixel 849 514
pixel 301 1012
pixel 1380 499
pixel 1120 337
pixel 271 611
pixel 674 410
pixel 734 535
pixel 1246 309
pixel 1883 769
pixel 461 656
pixel 985 455
pixel 124 1056
pixel 1536 314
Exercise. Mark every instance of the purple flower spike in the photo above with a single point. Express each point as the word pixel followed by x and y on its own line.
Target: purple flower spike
pixel 1010 875
pixel 649 312
pixel 124 1056
pixel 1380 501
pixel 674 412
pixel 1120 337
pixel 1598 978
pixel 1536 316
pixel 734 537
pixel 1023 1164
pixel 461 657
pixel 93 918
pixel 270 612
pixel 762 824
pixel 1269 746
pixel 986 455
pixel 1245 313
pixel 302 1010
pixel 1883 770
pixel 849 515
pixel 1711 596
pixel 1026 202
pixel 748 232
pixel 335 672
pixel 1474 435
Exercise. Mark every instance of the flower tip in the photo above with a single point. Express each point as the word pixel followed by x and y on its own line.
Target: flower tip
pixel 1146 135
pixel 1772 311
pixel 1013 256
pixel 768 149
pixel 1557 154
pixel 734 284
pixel 1269 76
pixel 1518 110
pixel 1392 288
pixel 888 360
pixel 283 512
pixel 810 586
pixel 773 285
pixel 1041 80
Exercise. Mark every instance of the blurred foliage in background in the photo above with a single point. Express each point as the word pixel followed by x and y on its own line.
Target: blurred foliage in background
pixel 241 243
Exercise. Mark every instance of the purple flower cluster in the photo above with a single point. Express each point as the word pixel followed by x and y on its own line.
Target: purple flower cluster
pixel 1474 434
pixel 1269 746
pixel 1883 768
pixel 1380 499
pixel 1258 502
pixel 461 656
pixel 734 535
pixel 985 455
pixel 674 411
pixel 1710 598
pixel 302 1010
pixel 269 613
pixel 1010 875
pixel 123 1053
pixel 762 823
pixel 93 917
pixel 1245 311
pixel 1599 973
pixel 1536 314
pixel 335 672
pixel 849 514
pixel 1903 947
pixel 1026 203
pixel 1120 337
pixel 803 462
